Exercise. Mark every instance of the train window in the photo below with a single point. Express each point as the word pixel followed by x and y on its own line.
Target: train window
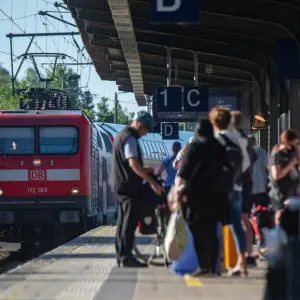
pixel 107 142
pixel 99 141
pixel 58 140
pixel 17 140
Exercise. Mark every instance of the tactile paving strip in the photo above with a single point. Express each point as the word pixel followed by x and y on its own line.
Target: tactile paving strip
pixel 73 271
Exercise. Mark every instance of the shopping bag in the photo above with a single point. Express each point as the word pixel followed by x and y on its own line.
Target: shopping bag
pixel 176 238
pixel 188 262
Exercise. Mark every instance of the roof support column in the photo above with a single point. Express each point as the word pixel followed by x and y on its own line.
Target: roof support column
pixel 169 66
pixel 196 81
pixel 274 120
pixel 295 105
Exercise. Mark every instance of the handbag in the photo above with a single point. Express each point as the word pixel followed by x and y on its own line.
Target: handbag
pixel 176 238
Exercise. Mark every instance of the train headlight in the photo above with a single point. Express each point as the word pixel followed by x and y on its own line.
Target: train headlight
pixel 36 162
pixel 1 192
pixel 75 191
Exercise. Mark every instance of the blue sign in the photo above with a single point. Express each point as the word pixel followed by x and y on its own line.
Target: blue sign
pixel 195 99
pixel 170 131
pixel 174 11
pixel 187 104
pixel 287 57
pixel 169 99
pixel 229 100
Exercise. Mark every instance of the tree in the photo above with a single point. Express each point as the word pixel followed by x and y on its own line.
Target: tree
pixel 104 114
pixel 7 101
pixel 4 76
pixel 31 79
pixel 86 103
pixel 124 117
pixel 66 79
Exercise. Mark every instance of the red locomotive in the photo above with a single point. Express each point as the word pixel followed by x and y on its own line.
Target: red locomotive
pixel 49 172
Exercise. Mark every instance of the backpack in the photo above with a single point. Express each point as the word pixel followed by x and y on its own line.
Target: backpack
pixel 235 158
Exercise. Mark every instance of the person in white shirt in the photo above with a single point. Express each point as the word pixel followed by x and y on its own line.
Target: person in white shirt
pixel 220 118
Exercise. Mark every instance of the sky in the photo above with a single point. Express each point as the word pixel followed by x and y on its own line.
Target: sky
pixel 24 14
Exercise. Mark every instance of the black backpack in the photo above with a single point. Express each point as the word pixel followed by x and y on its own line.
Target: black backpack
pixel 235 158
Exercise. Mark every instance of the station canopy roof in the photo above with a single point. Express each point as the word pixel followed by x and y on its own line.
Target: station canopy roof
pixel 238 38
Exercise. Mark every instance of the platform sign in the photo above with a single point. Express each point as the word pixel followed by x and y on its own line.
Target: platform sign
pixel 196 99
pixel 180 104
pixel 170 131
pixel 229 100
pixel 169 99
pixel 175 11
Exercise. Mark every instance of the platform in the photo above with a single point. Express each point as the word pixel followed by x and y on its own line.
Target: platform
pixel 85 269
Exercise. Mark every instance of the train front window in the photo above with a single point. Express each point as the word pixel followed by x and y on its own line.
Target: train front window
pixel 58 140
pixel 17 140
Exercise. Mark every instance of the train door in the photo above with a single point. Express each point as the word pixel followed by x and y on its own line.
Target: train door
pixel 95 178
pixel 111 203
pixel 102 210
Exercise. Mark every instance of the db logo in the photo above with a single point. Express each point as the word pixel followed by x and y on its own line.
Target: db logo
pixel 37 175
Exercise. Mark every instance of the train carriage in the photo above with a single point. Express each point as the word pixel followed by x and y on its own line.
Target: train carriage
pixel 49 173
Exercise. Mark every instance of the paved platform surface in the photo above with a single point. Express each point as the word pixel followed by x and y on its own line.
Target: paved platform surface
pixel 84 269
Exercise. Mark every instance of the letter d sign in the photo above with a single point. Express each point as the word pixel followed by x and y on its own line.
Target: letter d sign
pixel 170 131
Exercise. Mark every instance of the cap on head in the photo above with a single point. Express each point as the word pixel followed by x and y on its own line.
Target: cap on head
pixel 176 147
pixel 146 119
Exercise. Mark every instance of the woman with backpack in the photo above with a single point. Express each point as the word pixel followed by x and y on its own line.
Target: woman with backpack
pixel 202 205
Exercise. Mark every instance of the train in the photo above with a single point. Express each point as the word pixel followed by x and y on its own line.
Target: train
pixel 55 174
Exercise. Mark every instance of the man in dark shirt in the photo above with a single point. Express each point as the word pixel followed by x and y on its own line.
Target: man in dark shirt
pixel 129 174
pixel 204 207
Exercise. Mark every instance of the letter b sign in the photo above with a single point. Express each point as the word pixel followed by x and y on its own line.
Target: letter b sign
pixel 174 11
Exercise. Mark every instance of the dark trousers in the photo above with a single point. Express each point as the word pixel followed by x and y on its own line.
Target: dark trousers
pixel 126 225
pixel 206 243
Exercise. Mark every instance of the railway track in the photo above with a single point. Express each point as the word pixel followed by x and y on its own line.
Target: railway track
pixel 8 261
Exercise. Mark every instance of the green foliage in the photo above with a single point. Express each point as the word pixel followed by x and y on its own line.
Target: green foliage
pixel 104 113
pixel 7 101
pixel 64 79
pixel 86 103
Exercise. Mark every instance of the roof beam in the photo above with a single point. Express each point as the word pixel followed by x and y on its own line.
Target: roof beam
pixel 142 24
pixel 264 12
pixel 161 62
pixel 120 64
pixel 188 44
pixel 187 74
pixel 182 79
pixel 182 53
pixel 125 31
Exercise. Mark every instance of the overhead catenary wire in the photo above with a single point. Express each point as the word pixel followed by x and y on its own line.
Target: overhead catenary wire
pixel 19 18
pixel 24 32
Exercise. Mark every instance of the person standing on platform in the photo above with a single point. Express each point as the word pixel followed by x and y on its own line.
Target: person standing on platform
pixel 202 209
pixel 167 165
pixel 237 121
pixel 260 180
pixel 178 160
pixel 221 120
pixel 129 174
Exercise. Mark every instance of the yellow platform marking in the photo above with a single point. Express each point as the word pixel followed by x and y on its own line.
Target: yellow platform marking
pixel 192 281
